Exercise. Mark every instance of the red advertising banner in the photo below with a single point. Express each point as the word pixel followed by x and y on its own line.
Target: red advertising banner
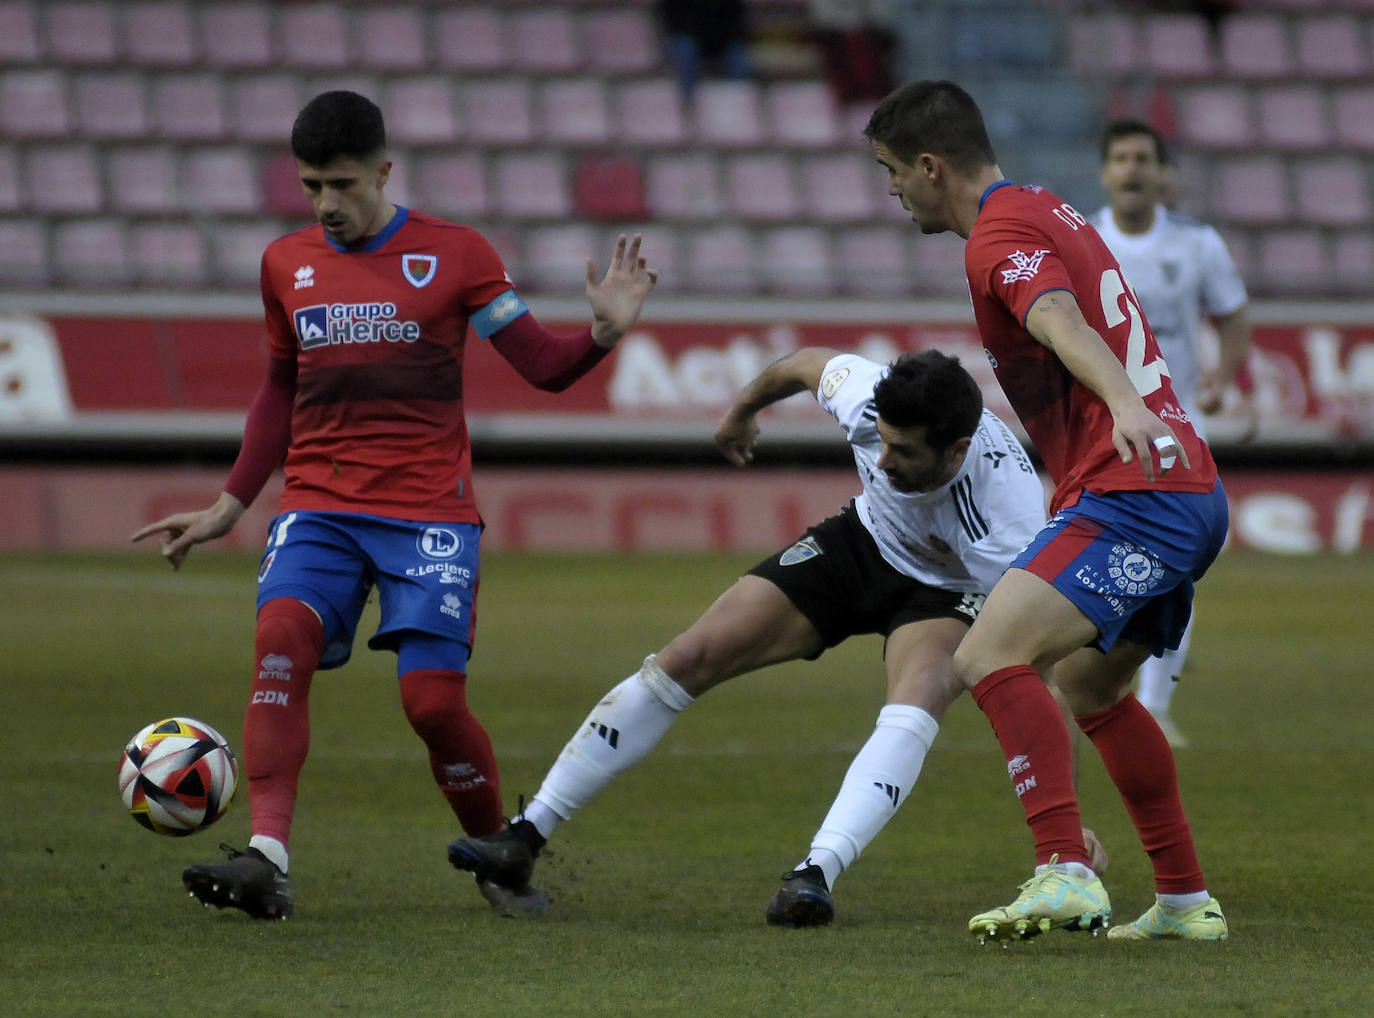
pixel 113 375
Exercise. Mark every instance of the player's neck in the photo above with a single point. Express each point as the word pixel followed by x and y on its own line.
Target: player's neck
pixel 1134 222
pixel 969 201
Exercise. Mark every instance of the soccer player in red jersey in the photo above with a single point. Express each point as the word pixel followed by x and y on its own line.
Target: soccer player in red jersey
pixel 367 313
pixel 1138 514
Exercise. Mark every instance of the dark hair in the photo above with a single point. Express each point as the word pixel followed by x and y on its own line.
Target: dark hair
pixel 335 124
pixel 931 390
pixel 932 116
pixel 1129 127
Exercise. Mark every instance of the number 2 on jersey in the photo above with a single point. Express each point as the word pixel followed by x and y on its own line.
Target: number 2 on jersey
pixel 1145 377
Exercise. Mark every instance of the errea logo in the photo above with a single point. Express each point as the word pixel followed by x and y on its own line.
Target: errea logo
pixel 1024 266
pixel 305 276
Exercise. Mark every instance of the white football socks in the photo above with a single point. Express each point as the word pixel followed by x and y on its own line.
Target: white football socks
pixel 878 781
pixel 1156 683
pixel 273 849
pixel 618 733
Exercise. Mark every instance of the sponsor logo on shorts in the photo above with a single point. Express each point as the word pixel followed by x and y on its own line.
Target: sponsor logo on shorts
pixel 448 572
pixel 439 543
pixel 806 548
pixel 452 605
pixel 1133 571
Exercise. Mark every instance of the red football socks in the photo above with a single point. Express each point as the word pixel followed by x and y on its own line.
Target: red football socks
pixel 1138 759
pixel 1039 753
pixel 276 727
pixel 460 753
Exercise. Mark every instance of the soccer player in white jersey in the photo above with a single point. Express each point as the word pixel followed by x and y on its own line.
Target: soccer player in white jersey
pixel 949 498
pixel 1180 270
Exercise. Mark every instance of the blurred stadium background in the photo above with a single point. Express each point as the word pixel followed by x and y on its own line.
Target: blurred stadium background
pixel 144 166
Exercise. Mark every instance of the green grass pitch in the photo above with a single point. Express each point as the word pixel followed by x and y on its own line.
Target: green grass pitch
pixel 660 884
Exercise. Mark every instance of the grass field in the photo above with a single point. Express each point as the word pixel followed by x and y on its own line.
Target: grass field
pixel 661 883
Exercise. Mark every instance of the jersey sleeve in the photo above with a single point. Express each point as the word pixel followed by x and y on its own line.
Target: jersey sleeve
pixel 846 389
pixel 1223 291
pixel 1014 263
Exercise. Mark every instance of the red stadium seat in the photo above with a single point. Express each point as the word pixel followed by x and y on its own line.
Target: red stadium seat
pixel 65 179
pixel 143 180
pixel 1102 41
pixel 760 188
pixel 1294 261
pixel 168 255
pixel 556 257
pixel 189 107
pixel 237 36
pixel 24 252
pixel 1251 190
pixel 795 261
pixel 1216 116
pixel 620 41
pixel 314 36
pixel 1176 46
pixel 237 249
pixel 159 34
pixel 80 32
pixel 1352 260
pixel 1354 117
pixel 1334 46
pixel 651 113
pixel 471 40
pixel 453 184
pixel 937 266
pixel 11 193
pixel 609 188
pixel 282 194
pixel 684 186
pixel 92 252
pixel 111 105
pixel 33 104
pixel 421 111
pixel 392 38
pixel 875 260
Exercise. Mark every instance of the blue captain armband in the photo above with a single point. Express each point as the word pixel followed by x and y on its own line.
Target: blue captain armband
pixel 498 314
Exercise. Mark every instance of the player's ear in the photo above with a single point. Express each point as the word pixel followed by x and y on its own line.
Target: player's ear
pixel 383 173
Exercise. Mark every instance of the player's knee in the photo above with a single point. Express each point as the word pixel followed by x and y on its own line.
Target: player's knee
pixel 433 701
pixel 289 637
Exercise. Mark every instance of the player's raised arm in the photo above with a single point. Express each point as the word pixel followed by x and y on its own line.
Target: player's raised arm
pixel 1056 321
pixel 799 371
pixel 619 296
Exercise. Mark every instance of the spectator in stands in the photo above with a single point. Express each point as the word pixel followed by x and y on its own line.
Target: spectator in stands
pixel 1180 269
pixel 704 35
pixel 367 314
pixel 857 46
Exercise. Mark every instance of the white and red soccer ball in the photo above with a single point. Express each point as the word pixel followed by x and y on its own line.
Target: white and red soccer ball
pixel 177 776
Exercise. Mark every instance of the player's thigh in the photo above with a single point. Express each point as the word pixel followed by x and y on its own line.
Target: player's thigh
pixel 752 625
pixel 1092 681
pixel 919 658
pixel 1025 620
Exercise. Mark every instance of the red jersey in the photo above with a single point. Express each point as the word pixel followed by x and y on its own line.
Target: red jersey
pixel 377 336
pixel 1025 243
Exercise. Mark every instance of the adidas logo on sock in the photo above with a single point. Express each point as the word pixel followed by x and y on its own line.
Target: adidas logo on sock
pixel 611 735
pixel 891 791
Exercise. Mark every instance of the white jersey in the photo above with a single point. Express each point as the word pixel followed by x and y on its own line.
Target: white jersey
pixel 1179 269
pixel 963 535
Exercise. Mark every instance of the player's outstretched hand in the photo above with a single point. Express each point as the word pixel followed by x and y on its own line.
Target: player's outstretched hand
pixel 1138 432
pixel 619 297
pixel 182 531
pixel 736 435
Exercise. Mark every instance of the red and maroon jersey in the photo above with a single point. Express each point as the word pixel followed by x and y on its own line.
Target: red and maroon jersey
pixel 377 336
pixel 1027 242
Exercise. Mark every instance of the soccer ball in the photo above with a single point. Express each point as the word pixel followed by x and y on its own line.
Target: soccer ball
pixel 177 776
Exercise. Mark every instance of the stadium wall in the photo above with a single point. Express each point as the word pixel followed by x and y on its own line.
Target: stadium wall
pixel 141 372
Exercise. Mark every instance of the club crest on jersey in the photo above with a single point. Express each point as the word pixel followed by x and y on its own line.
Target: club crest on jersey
pixel 1024 266
pixel 419 268
pixel 830 384
pixel 806 548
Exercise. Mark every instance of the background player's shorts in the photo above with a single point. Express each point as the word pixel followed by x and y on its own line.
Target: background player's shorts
pixel 1128 560
pixel 839 580
pixel 425 574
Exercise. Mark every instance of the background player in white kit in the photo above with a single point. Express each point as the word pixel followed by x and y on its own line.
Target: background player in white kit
pixel 949 498
pixel 1180 270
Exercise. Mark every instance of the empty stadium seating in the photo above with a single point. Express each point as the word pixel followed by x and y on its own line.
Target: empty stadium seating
pixel 143 142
